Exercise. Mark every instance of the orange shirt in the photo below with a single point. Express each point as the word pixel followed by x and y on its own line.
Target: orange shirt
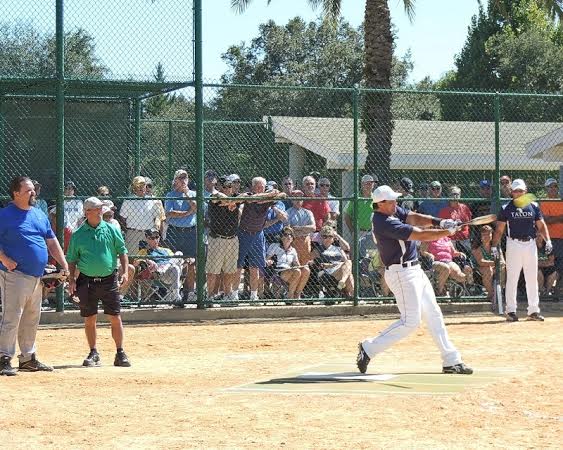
pixel 553 209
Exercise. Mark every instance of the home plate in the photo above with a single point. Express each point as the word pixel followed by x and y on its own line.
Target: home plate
pixel 341 378
pixel 346 376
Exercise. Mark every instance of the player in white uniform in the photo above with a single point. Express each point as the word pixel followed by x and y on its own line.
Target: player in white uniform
pixel 396 230
pixel 522 225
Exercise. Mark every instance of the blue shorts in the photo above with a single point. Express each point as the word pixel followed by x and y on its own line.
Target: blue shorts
pixel 251 246
pixel 182 239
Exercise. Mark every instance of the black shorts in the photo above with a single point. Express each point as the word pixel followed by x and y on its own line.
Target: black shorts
pixel 90 290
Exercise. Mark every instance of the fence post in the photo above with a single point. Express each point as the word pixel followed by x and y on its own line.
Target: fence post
pixel 2 144
pixel 198 79
pixel 60 114
pixel 169 149
pixel 496 193
pixel 137 105
pixel 355 232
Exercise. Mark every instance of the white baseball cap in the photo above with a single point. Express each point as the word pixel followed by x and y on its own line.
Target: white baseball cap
pixel 384 193
pixel 518 184
pixel 550 181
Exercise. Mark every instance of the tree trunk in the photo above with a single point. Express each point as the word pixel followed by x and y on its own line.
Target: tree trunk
pixel 376 107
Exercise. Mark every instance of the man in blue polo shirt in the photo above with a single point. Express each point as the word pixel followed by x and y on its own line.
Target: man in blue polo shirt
pixel 522 224
pixel 396 230
pixel 26 238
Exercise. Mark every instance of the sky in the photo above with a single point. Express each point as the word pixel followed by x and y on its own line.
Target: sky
pixel 133 36
pixel 435 36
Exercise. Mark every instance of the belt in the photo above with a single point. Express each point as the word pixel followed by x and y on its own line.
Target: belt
pixel 98 279
pixel 215 235
pixel 405 264
pixel 251 233
pixel 524 239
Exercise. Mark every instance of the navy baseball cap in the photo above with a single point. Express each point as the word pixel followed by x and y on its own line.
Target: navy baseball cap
pixel 484 183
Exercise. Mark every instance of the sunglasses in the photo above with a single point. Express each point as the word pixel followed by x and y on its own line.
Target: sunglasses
pixel 553 186
pixel 326 236
pixel 149 185
pixel 288 184
pixel 310 183
pixel 324 185
pixel 436 188
pixel 504 182
pixel 152 238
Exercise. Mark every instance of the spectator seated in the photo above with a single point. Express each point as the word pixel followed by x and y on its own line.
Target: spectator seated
pixel 547 271
pixel 372 271
pixel 158 274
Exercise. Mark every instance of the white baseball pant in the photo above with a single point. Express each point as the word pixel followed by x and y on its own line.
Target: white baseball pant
pixel 416 301
pixel 522 255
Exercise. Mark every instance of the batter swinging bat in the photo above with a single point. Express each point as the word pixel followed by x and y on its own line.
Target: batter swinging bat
pixel 524 200
pixel 481 220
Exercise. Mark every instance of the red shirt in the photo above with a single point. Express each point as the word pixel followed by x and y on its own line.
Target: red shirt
pixel 461 212
pixel 320 210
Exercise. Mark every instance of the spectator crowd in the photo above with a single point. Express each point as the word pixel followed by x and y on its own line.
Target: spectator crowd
pixel 265 237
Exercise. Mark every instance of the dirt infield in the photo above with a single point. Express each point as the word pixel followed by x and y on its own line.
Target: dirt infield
pixel 177 393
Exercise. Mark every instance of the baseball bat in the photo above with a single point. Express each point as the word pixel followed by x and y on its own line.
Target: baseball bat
pixel 497 287
pixel 481 220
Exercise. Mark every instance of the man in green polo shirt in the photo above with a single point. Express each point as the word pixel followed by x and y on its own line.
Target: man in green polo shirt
pixel 94 249
pixel 365 207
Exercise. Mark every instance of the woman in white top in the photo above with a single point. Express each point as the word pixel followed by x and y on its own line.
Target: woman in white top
pixel 287 263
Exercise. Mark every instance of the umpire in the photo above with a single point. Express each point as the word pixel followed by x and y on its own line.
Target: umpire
pixel 521 250
pixel 26 238
pixel 94 248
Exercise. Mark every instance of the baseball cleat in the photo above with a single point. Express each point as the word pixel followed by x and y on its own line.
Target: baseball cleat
pixel 460 368
pixel 536 316
pixel 511 317
pixel 6 366
pixel 362 360
pixel 121 360
pixel 33 365
pixel 92 360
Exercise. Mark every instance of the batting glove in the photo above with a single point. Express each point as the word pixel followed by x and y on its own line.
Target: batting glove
pixel 548 247
pixel 447 224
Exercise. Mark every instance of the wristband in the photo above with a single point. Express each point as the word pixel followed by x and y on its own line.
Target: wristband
pixel 436 221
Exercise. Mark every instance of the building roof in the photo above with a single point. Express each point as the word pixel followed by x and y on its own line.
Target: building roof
pixel 548 147
pixel 418 144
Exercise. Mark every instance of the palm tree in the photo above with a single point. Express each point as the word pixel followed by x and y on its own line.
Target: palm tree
pixel 378 41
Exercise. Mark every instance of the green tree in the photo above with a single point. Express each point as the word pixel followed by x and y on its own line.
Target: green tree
pixel 377 69
pixel 25 52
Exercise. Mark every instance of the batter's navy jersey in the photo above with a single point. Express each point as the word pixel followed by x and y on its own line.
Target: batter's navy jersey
pixel 392 235
pixel 520 222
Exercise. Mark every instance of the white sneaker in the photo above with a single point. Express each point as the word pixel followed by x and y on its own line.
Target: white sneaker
pixel 232 296
pixel 192 297
pixel 254 296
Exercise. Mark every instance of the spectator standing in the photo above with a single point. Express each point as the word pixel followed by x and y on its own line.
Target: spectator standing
pixel 26 238
pixel 160 222
pixel 460 212
pixel 108 213
pixel 521 250
pixel 302 222
pixel 103 191
pixel 140 213
pixel 483 207
pixel 182 232
pixel 505 186
pixel 235 180
pixel 319 208
pixel 94 249
pixel 406 187
pixel 223 247
pixel 275 218
pixel 333 205
pixel 547 272
pixel 73 209
pixel 287 186
pixel 39 202
pixel 552 210
pixel 435 203
pixel 483 255
pixel 365 209
pixel 251 232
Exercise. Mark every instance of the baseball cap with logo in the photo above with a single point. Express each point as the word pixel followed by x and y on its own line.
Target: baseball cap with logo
pixel 518 184
pixel 383 193
pixel 436 183
pixel 550 181
pixel 233 178
pixel 455 190
pixel 484 183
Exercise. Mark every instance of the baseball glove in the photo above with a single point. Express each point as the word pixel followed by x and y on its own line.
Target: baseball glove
pixel 53 277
